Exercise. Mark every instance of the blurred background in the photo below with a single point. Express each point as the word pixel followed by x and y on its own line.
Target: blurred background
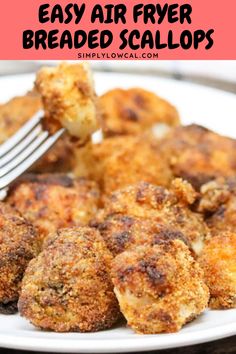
pixel 219 74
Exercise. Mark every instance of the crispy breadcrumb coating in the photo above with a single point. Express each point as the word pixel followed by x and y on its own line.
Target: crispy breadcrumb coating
pixel 69 99
pixel 17 112
pixel 159 288
pixel 162 206
pixel 133 111
pixel 198 154
pixel 120 161
pixel 217 202
pixel 68 287
pixel 218 260
pixel 54 201
pixel 18 245
pixel 59 159
pixel 122 232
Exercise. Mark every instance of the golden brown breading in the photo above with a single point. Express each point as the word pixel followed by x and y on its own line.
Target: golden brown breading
pixel 218 260
pixel 120 161
pixel 159 288
pixel 68 287
pixel 68 98
pixel 18 244
pixel 133 111
pixel 218 200
pixel 163 206
pixel 18 111
pixel 213 194
pixel 122 232
pixel 15 113
pixel 60 158
pixel 199 155
pixel 54 201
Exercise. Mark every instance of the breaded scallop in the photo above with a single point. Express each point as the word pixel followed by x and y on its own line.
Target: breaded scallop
pixel 54 201
pixel 218 260
pixel 120 161
pixel 59 159
pixel 68 286
pixel 123 232
pixel 69 99
pixel 199 155
pixel 18 245
pixel 159 288
pixel 218 203
pixel 169 207
pixel 133 111
pixel 17 112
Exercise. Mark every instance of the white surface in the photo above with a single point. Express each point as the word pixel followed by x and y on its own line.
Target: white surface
pixel 15 332
pixel 224 70
pixel 212 108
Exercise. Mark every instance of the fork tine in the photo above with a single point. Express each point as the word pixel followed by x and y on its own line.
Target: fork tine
pixel 30 160
pixel 21 133
pixel 24 154
pixel 20 147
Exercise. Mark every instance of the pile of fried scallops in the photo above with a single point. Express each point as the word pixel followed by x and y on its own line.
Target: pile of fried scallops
pixel 139 227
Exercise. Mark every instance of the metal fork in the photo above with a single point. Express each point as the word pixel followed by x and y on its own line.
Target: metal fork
pixel 23 149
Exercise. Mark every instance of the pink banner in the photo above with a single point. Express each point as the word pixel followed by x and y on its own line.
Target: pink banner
pixel 106 30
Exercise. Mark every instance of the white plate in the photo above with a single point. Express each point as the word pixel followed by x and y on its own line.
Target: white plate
pixel 213 108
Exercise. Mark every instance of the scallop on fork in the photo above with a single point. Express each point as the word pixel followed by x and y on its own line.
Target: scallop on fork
pixel 69 104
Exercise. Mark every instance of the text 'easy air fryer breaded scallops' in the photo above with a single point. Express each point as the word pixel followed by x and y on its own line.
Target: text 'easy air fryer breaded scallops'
pixel 160 287
pixel 169 209
pixel 18 245
pixel 53 201
pixel 134 111
pixel 69 99
pixel 218 260
pixel 68 286
pixel 199 155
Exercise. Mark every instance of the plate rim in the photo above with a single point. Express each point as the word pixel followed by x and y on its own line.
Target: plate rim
pixel 146 342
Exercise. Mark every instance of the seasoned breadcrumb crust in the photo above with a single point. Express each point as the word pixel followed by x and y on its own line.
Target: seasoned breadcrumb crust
pixel 69 99
pixel 218 260
pixel 217 202
pixel 122 232
pixel 122 161
pixel 169 207
pixel 15 113
pixel 159 288
pixel 133 111
pixel 54 201
pixel 198 154
pixel 18 245
pixel 68 287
